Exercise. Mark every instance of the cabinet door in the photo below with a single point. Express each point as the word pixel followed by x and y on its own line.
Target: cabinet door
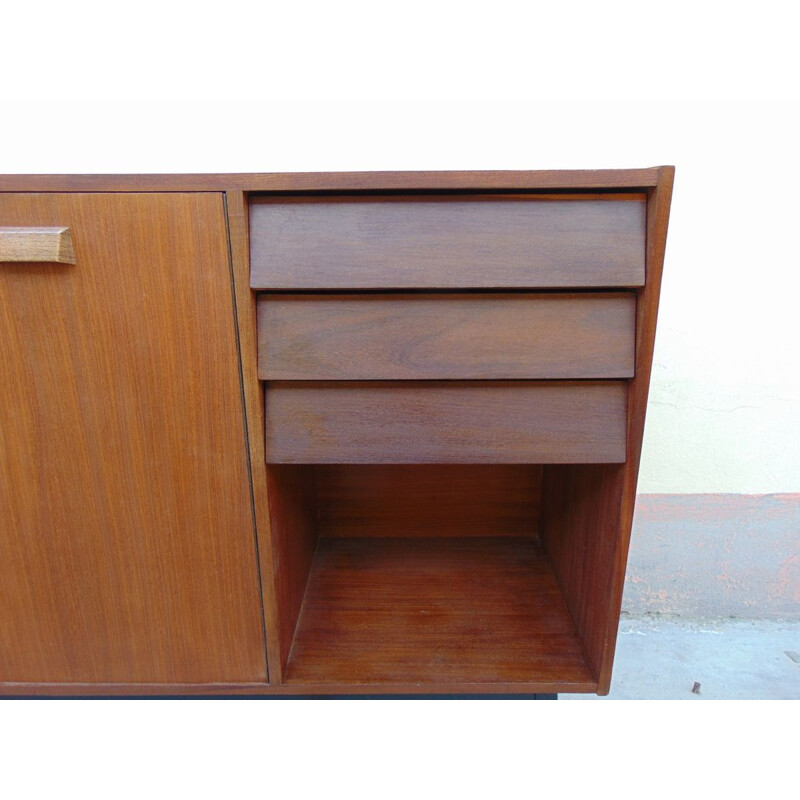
pixel 127 552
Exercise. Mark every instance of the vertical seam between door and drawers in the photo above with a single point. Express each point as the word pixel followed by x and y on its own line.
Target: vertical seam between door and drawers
pixel 246 431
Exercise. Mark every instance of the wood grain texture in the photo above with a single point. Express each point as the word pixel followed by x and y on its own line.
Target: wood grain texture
pixel 294 530
pixel 239 242
pixel 658 208
pixel 580 524
pixel 445 422
pixel 30 245
pixel 433 611
pixel 445 336
pixel 301 690
pixel 488 180
pixel 444 242
pixel 125 523
pixel 458 500
pixel 587 510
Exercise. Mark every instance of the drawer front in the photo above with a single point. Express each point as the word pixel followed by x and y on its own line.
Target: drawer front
pixel 429 337
pixel 447 242
pixel 445 422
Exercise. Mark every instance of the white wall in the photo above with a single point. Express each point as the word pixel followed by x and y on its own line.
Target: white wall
pixel 709 87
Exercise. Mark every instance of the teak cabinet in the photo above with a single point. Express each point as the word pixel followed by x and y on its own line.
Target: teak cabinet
pixel 312 434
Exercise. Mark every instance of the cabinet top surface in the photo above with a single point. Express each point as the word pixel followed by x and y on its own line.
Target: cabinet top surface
pixel 529 180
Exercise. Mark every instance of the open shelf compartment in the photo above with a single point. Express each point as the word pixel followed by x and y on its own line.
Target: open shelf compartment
pixel 434 576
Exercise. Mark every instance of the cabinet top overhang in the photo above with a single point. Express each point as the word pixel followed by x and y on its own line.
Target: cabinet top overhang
pixel 502 180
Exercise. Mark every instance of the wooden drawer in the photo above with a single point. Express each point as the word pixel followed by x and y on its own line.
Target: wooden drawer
pixel 445 336
pixel 445 422
pixel 430 242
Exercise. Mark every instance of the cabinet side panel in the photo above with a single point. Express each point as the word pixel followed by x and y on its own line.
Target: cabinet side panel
pixel 294 532
pixel 587 510
pixel 580 524
pixel 124 492
pixel 659 201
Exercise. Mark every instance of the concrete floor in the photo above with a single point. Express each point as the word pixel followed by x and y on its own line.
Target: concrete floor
pixel 661 658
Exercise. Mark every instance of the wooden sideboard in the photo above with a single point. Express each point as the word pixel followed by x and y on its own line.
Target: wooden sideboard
pixel 321 434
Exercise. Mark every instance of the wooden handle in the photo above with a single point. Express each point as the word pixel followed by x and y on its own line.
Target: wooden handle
pixel 50 245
